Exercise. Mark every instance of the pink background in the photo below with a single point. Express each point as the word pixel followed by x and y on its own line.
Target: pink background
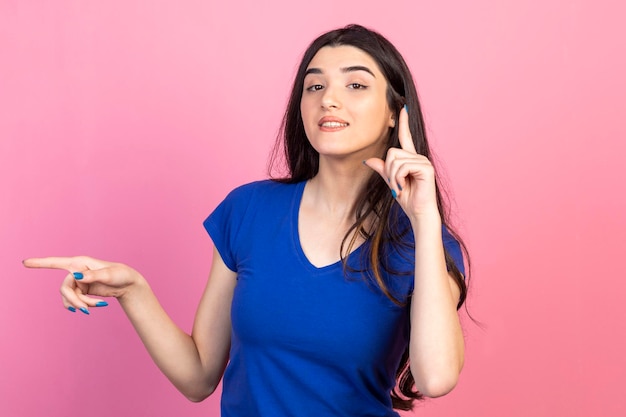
pixel 123 124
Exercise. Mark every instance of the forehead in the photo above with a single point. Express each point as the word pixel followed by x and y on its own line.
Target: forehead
pixel 331 58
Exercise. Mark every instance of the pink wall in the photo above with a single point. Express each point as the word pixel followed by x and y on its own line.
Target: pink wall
pixel 123 123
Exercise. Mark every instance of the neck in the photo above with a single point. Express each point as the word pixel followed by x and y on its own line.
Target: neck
pixel 336 186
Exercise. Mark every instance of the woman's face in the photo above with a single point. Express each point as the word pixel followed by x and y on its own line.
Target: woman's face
pixel 344 104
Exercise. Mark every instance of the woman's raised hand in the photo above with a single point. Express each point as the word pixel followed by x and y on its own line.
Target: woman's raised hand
pixel 88 276
pixel 411 176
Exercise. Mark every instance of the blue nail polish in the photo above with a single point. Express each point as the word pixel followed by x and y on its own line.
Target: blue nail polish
pixel 406 108
pixel 84 310
pixel 102 304
pixel 393 193
pixel 78 275
pixel 399 187
pixel 72 309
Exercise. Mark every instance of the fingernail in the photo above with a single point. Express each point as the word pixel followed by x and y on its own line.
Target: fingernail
pixel 84 310
pixel 389 180
pixel 393 193
pixel 78 275
pixel 406 108
pixel 102 304
pixel 399 187
pixel 72 309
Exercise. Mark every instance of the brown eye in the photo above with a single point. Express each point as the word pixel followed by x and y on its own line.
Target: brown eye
pixel 356 86
pixel 315 87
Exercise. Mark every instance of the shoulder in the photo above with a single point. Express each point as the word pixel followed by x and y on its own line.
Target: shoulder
pixel 401 225
pixel 260 188
pixel 260 194
pixel 405 240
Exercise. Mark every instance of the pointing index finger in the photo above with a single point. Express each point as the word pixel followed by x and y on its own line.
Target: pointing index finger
pixel 404 132
pixel 51 263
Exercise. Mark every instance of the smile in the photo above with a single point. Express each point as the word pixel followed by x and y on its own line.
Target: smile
pixel 334 124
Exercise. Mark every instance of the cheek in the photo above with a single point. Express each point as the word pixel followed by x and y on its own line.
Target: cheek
pixel 302 109
pixel 307 119
pixel 306 107
pixel 376 114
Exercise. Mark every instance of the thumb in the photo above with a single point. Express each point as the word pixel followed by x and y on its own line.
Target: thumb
pixel 109 275
pixel 377 165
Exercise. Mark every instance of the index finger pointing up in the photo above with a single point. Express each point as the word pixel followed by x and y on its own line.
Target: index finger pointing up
pixel 404 132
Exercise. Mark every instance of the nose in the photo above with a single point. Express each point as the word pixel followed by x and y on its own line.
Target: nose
pixel 330 98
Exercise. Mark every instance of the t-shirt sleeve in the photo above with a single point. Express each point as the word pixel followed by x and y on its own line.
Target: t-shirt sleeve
pixel 224 224
pixel 453 248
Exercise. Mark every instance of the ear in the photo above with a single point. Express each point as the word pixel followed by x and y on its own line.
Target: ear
pixel 392 120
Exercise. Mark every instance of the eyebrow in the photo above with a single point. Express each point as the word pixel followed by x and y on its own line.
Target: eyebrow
pixel 344 70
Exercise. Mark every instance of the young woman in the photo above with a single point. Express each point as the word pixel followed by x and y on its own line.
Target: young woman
pixel 326 282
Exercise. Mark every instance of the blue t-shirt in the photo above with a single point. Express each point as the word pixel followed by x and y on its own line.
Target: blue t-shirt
pixel 305 341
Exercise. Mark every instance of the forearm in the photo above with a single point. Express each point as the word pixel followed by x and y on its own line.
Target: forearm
pixel 194 364
pixel 173 350
pixel 437 346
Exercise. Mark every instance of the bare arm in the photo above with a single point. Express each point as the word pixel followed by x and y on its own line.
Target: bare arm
pixel 194 363
pixel 436 346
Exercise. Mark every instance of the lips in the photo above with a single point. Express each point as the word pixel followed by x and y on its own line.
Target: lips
pixel 332 123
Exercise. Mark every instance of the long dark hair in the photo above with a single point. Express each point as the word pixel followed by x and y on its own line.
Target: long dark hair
pixel 374 203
